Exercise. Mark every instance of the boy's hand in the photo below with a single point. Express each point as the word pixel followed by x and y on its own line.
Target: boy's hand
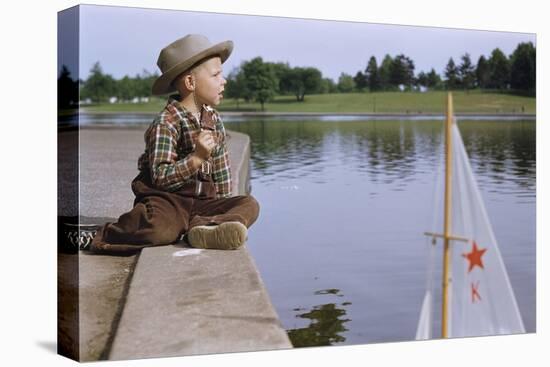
pixel 204 144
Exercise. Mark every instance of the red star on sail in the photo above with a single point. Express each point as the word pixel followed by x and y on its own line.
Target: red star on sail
pixel 474 257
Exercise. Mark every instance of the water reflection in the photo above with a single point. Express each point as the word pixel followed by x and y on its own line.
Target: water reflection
pixel 389 152
pixel 277 144
pixel 326 324
pixel 504 152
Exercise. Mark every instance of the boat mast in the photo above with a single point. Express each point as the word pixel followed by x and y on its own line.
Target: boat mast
pixel 447 220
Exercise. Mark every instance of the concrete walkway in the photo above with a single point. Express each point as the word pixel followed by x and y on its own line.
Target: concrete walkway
pixel 170 300
pixel 185 301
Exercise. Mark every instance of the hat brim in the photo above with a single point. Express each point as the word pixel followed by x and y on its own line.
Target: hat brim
pixel 163 84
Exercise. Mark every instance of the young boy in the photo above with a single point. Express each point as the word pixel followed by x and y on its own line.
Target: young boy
pixel 184 183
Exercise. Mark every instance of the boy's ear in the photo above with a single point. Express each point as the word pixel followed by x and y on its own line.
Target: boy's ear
pixel 190 81
pixel 184 82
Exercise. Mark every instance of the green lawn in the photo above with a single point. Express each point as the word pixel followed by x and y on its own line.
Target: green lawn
pixel 382 102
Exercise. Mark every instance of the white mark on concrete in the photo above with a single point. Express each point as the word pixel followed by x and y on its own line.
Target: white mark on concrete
pixel 187 252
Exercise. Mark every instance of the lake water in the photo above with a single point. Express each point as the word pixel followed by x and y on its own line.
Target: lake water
pixel 344 203
pixel 339 242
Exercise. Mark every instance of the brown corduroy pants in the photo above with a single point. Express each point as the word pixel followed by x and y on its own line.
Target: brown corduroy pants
pixel 161 217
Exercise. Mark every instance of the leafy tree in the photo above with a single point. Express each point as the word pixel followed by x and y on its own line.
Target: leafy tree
pixel 67 89
pixel 430 80
pixel 402 71
pixel 139 86
pixel 360 81
pixel 466 72
pixel 306 80
pixel 283 74
pixel 126 89
pixel 483 73
pixel 523 67
pixel 99 86
pixel 433 80
pixel 345 83
pixel 499 70
pixel 372 75
pixel 260 80
pixel 422 79
pixel 384 72
pixel 451 73
pixel 312 80
pixel 328 86
pixel 145 84
pixel 236 86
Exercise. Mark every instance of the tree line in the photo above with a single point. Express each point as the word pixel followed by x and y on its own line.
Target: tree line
pixel 260 81
pixel 101 87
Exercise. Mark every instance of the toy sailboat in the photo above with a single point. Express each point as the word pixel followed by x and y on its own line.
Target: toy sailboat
pixel 477 297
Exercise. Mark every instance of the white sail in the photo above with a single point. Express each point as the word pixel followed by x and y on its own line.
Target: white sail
pixel 482 301
pixel 425 323
pixel 424 329
pixel 480 297
pixel 425 326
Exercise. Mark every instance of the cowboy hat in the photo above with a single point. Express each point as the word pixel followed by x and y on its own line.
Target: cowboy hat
pixel 184 53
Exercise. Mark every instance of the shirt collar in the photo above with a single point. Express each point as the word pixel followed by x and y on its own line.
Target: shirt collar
pixel 206 112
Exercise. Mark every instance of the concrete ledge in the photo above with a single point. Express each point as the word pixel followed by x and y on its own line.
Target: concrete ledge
pixel 113 302
pixel 91 295
pixel 185 301
pixel 102 288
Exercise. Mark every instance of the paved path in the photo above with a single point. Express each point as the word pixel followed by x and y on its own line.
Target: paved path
pixel 185 301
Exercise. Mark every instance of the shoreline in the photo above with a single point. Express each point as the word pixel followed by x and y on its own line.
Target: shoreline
pixel 330 114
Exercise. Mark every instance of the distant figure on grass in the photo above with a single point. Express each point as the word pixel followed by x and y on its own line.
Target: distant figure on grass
pixel 184 180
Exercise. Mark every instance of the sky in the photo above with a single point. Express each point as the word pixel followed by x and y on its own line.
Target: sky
pixel 127 40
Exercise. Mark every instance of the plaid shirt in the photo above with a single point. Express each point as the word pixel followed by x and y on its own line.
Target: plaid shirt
pixel 171 138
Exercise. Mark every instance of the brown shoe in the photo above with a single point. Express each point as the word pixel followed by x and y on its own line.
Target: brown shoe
pixel 224 236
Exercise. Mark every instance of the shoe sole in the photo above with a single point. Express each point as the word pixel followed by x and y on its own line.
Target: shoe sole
pixel 225 236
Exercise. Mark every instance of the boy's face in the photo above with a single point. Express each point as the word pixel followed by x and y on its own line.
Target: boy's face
pixel 209 82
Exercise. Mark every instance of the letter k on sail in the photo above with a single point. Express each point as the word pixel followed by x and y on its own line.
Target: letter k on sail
pixel 475 293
